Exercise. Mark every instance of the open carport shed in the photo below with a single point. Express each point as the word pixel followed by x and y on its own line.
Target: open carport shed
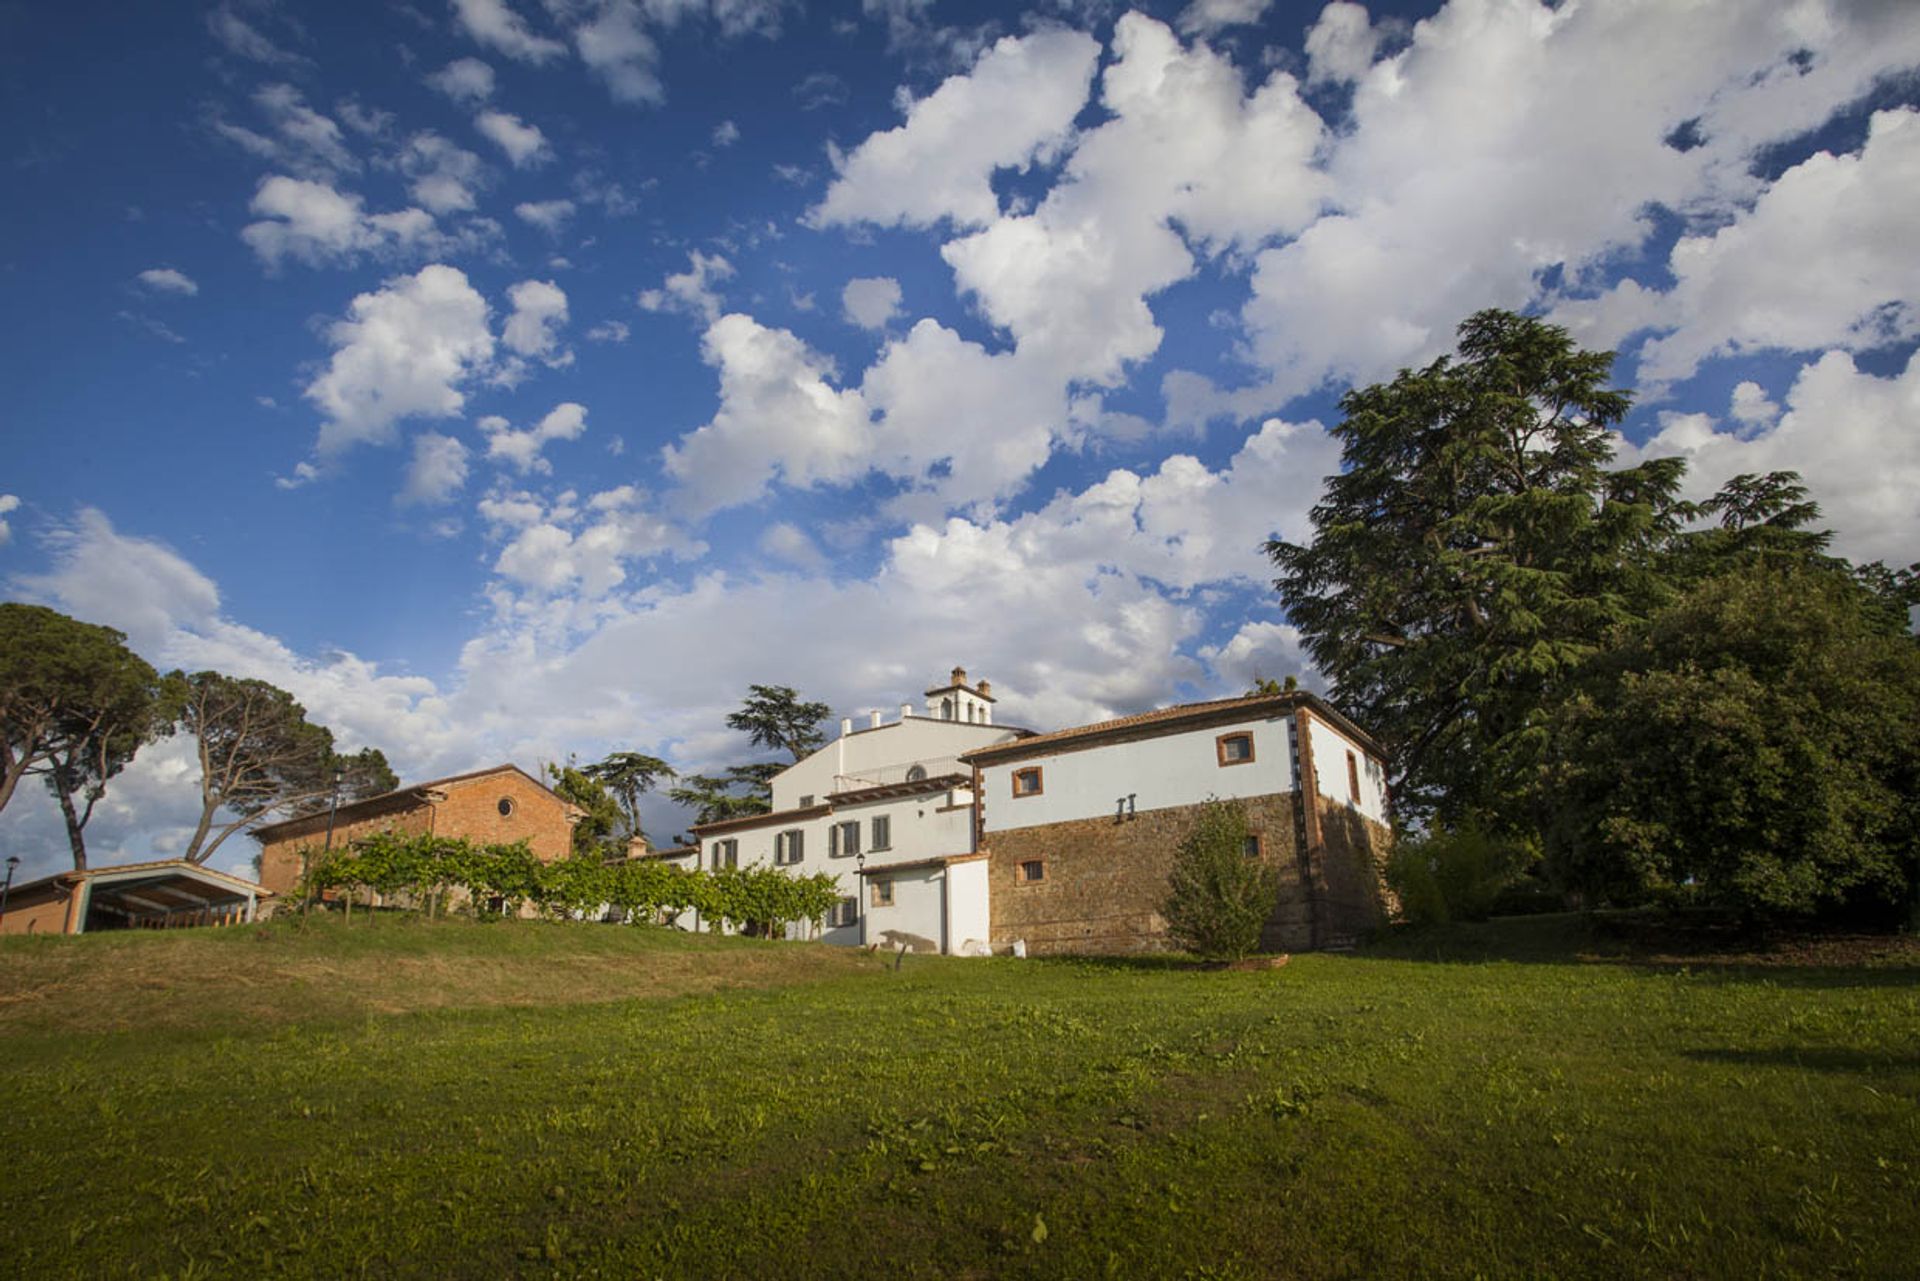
pixel 163 895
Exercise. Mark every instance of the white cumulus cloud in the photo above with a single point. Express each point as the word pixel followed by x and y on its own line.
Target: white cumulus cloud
pixel 1014 107
pixel 402 351
pixel 524 144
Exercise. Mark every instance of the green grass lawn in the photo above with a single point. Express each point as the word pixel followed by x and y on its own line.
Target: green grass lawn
pixel 461 1100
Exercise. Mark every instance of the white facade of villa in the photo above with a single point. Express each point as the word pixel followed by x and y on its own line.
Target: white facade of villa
pixel 946 832
pixel 887 809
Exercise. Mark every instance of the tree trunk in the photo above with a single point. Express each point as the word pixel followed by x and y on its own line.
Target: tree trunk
pixel 63 788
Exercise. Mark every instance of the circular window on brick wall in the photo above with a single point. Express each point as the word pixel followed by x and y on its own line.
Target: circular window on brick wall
pixel 506 807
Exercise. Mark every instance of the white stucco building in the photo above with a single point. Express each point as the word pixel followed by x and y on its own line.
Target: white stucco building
pixel 886 808
pixel 947 832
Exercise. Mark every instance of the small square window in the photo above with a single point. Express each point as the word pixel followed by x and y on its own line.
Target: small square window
pixel 1028 781
pixel 1251 846
pixel 845 912
pixel 1234 749
pixel 1034 869
pixel 881 893
pixel 843 839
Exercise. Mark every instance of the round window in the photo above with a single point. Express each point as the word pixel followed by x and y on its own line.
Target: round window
pixel 917 774
pixel 506 807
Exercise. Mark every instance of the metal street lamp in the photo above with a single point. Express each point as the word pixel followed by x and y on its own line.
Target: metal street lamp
pixel 333 808
pixel 13 861
pixel 339 777
pixel 860 895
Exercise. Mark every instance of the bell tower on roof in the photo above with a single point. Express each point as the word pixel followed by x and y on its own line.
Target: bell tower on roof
pixel 959 701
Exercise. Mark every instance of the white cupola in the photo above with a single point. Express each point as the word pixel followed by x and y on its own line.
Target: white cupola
pixel 959 701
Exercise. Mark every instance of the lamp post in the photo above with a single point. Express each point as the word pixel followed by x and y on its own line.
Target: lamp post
pixel 860 895
pixel 13 861
pixel 333 808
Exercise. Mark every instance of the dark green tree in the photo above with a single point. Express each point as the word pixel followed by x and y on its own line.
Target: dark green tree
pixel 260 755
pixel 742 792
pixel 1218 897
pixel 1473 552
pixel 597 834
pixel 68 691
pixel 629 775
pixel 75 706
pixel 1757 742
pixel 773 716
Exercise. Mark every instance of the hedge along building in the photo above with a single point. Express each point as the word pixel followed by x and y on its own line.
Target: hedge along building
pixel 1080 827
pixel 495 806
pixel 887 809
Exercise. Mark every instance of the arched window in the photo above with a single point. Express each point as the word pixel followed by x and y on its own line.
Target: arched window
pixel 917 774
pixel 946 709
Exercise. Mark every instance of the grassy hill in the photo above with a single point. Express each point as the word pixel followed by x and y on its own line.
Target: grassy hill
pixel 461 1100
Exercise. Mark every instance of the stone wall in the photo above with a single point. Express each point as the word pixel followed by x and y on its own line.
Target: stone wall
pixel 1105 879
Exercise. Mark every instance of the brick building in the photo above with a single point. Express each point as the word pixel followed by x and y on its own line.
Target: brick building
pixel 490 806
pixel 1080 826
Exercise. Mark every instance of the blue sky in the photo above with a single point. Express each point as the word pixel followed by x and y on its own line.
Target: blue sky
pixel 511 378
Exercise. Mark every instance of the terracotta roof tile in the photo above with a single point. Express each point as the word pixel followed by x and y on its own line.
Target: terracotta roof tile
pixel 1178 712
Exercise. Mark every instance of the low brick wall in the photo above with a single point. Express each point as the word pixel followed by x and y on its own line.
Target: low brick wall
pixel 1105 880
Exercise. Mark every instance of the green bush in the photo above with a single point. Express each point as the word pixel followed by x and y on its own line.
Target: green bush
pixel 1218 898
pixel 1452 874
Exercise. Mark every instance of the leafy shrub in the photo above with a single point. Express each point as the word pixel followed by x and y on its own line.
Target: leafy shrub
pixel 1218 898
pixel 1452 874
pixel 757 900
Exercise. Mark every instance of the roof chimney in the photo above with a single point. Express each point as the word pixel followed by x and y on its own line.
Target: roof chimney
pixel 959 676
pixel 986 688
pixel 906 710
pixel 873 718
pixel 846 726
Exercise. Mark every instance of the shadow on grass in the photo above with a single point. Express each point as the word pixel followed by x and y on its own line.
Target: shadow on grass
pixel 1824 1058
pixel 1709 948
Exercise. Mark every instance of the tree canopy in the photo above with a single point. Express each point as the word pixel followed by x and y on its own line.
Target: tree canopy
pixel 597 834
pixel 773 716
pixel 1564 656
pixel 627 776
pixel 259 754
pixel 1757 740
pixel 75 706
pixel 1473 550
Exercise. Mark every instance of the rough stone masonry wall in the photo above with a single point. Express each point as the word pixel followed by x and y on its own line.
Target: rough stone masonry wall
pixel 1353 869
pixel 1105 879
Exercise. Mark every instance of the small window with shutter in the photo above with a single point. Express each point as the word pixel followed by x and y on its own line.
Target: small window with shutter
pixel 882 832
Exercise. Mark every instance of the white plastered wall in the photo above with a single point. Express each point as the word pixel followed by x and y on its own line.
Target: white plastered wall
pixel 1330 749
pixel 872 757
pixel 1159 773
